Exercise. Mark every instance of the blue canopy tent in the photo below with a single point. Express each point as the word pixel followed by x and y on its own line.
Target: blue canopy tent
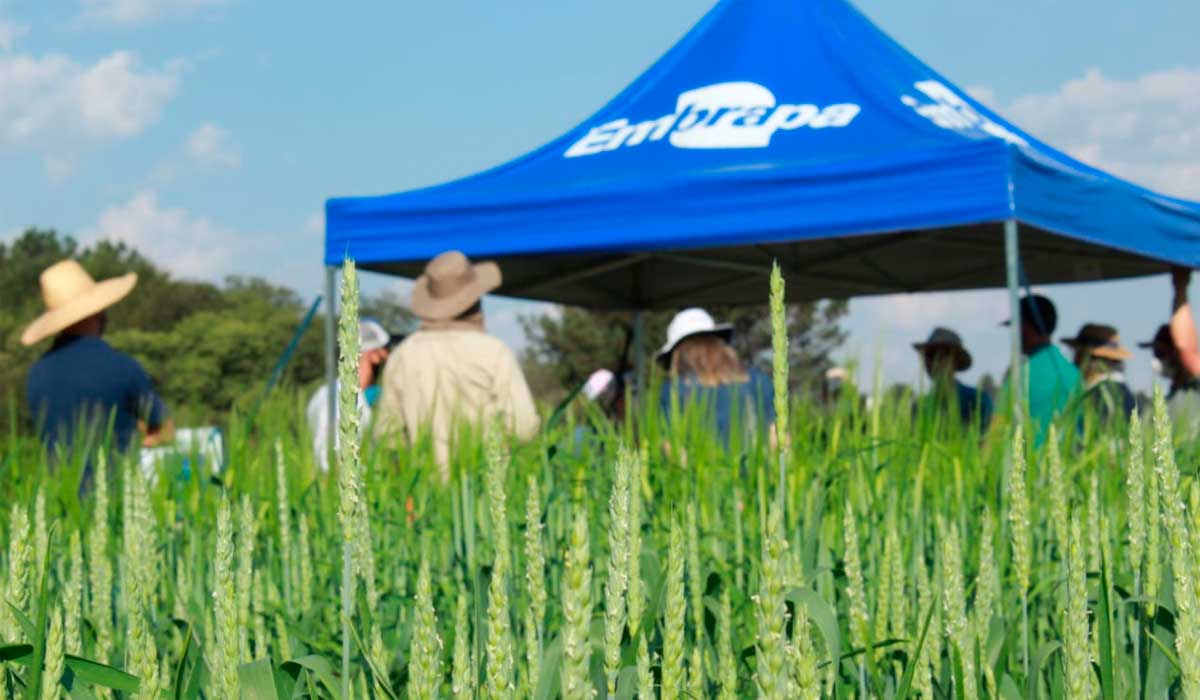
pixel 793 131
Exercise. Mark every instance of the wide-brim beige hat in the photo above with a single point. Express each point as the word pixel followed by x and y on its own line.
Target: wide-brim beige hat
pixel 451 285
pixel 1099 341
pixel 71 295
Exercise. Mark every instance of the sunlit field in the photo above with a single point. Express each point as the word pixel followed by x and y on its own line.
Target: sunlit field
pixel 877 551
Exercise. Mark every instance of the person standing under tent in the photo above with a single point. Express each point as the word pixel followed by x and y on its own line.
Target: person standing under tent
pixel 1177 351
pixel 1050 380
pixel 1101 361
pixel 705 372
pixel 372 352
pixel 944 356
pixel 81 383
pixel 451 369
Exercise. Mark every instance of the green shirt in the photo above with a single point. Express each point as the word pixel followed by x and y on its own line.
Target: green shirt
pixel 1051 382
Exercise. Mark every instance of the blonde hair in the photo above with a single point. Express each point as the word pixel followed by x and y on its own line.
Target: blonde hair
pixel 709 359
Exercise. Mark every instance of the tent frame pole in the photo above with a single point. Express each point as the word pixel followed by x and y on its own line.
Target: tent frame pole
pixel 639 352
pixel 330 355
pixel 1012 257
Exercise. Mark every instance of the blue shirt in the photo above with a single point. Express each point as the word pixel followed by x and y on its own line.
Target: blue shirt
pixel 82 381
pixel 753 401
pixel 971 405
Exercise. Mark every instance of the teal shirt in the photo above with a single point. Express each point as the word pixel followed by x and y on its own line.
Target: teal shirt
pixel 1052 381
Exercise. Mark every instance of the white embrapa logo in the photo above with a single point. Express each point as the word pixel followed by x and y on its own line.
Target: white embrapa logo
pixel 725 115
pixel 950 111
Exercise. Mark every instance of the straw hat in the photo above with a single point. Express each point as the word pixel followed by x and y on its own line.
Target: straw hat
pixel 451 285
pixel 71 295
pixel 1101 341
pixel 948 339
pixel 688 323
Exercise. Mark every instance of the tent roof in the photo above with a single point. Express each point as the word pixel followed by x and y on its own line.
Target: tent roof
pixel 794 131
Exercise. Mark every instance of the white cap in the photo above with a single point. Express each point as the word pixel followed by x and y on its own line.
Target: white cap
pixel 598 383
pixel 691 322
pixel 371 335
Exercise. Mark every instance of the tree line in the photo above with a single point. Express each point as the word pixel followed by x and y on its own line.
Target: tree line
pixel 210 348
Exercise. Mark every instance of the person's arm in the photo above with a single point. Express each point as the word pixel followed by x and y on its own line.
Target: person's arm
pixel 1183 326
pixel 163 434
pixel 154 423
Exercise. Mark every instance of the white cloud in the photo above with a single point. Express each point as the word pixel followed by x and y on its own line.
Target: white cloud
pixel 915 314
pixel 982 93
pixel 10 31
pixel 1146 129
pixel 133 12
pixel 180 241
pixel 314 225
pixel 209 146
pixel 59 167
pixel 192 245
pixel 55 106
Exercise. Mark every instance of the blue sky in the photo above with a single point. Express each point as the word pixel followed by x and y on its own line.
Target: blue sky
pixel 209 132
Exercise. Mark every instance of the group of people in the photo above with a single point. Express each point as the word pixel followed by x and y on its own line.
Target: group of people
pixel 450 369
pixel 1093 381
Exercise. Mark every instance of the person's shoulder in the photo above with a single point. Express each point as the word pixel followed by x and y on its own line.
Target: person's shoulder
pixel 1061 359
pixel 490 343
pixel 757 376
pixel 758 381
pixel 118 359
pixel 416 343
pixel 41 370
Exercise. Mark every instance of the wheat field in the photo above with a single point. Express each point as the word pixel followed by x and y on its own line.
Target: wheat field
pixel 876 552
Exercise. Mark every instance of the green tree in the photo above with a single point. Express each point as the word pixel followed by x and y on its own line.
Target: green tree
pixel 570 345
pixel 207 347
pixel 391 310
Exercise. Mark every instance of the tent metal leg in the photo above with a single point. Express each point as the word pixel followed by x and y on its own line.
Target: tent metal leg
pixel 1011 265
pixel 639 354
pixel 331 353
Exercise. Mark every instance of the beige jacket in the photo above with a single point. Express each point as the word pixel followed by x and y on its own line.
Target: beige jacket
pixel 438 376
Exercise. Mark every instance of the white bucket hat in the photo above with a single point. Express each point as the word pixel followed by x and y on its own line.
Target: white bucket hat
pixel 688 323
pixel 371 335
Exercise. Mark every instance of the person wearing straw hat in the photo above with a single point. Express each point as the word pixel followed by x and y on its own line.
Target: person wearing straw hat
pixel 81 382
pixel 704 370
pixel 373 343
pixel 1177 354
pixel 450 369
pixel 1101 361
pixel 944 356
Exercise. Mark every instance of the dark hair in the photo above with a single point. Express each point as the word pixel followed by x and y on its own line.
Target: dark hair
pixel 475 310
pixel 1039 313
